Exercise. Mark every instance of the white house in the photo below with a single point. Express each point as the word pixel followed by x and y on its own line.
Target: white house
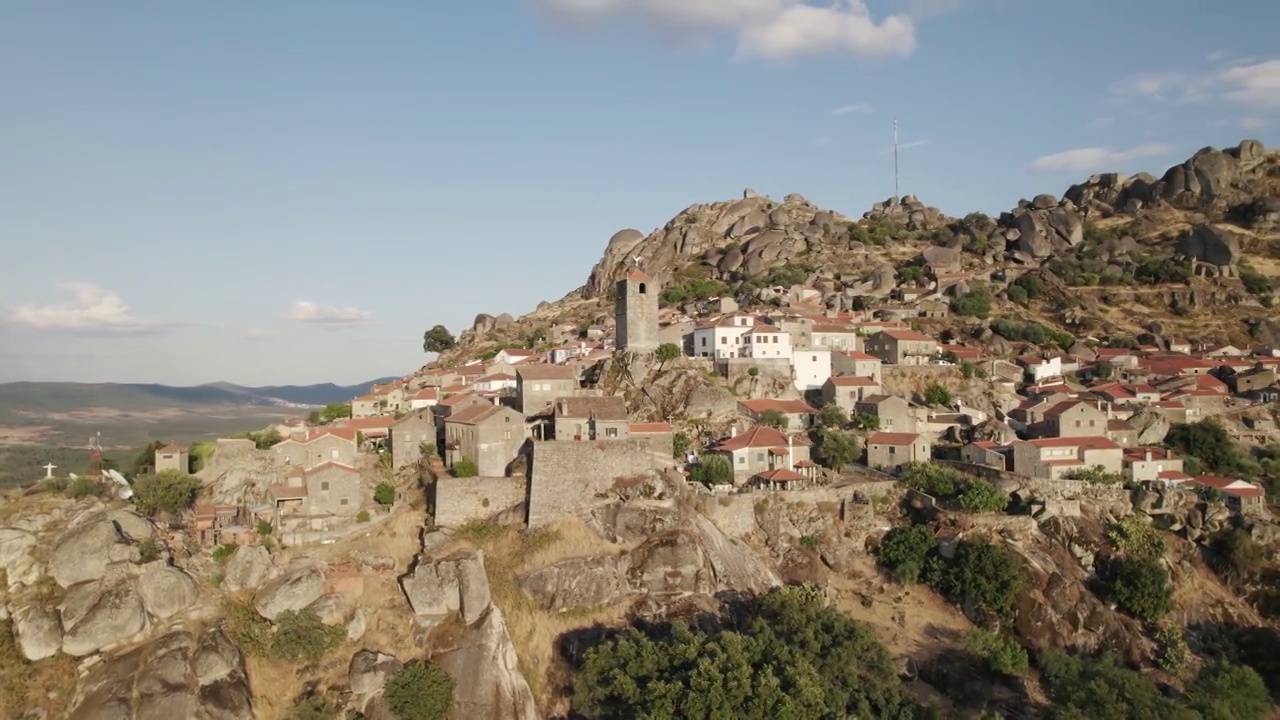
pixel 424 398
pixel 495 383
pixel 766 342
pixel 812 367
pixel 513 356
pixel 722 338
pixel 1041 369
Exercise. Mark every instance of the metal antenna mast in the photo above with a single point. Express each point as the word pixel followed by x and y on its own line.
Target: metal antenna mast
pixel 895 162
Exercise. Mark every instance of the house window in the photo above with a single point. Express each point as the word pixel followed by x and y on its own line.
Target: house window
pixel 888 422
pixel 506 435
pixel 815 358
pixel 724 341
pixel 704 341
pixel 343 501
pixel 641 288
pixel 1078 423
pixel 893 450
pixel 611 432
pixel 324 485
pixel 759 457
pixel 742 460
pixel 333 454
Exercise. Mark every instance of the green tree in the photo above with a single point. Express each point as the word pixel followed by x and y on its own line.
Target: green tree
pixel 679 445
pixel 329 413
pixel 384 493
pixel 712 470
pixel 145 462
pixel 865 422
pixel 903 551
pixel 1222 691
pixel 975 304
pixel 667 352
pixel 774 418
pixel 438 339
pixel 1140 586
pixel 1104 369
pixel 170 492
pixel 314 707
pixel 839 449
pixel 466 467
pixel 420 691
pixel 301 636
pixel 832 416
pixel 1102 689
pixel 935 394
pixel 998 653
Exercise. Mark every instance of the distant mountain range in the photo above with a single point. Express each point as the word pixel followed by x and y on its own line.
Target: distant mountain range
pixel 68 396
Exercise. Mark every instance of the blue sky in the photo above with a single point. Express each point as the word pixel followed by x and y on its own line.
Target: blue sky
pixel 292 191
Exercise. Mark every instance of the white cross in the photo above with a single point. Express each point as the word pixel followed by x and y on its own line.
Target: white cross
pixel 48 471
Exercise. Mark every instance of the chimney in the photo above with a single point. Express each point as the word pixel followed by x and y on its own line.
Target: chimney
pixel 1147 455
pixel 495 400
pixel 790 464
pixel 733 430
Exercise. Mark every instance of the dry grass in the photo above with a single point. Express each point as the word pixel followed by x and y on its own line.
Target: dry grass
pixel 48 685
pixel 508 553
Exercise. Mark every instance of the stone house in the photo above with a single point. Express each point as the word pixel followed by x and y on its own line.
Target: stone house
pixel 933 309
pixel 1149 463
pixel 538 386
pixel 217 524
pixel 659 435
pixel 317 494
pixel 324 445
pixel 1075 418
pixel 846 391
pixel 760 449
pixel 856 362
pixel 408 436
pixel 591 418
pixel 454 404
pixel 797 412
pixel 366 406
pixel 888 450
pixel 985 452
pixel 491 436
pixel 894 412
pixel 1238 495
pixel 835 337
pixel 902 347
pixel 172 458
pixel 1251 380
pixel 1055 458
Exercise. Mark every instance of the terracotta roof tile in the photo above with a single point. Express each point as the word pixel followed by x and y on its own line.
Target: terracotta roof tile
pixel 892 438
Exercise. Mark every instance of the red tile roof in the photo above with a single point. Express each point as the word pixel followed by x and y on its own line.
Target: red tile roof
pixel 780 475
pixel 853 381
pixel 650 428
pixel 1084 443
pixel 757 437
pixel 905 334
pixel 545 372
pixel 1228 486
pixel 638 276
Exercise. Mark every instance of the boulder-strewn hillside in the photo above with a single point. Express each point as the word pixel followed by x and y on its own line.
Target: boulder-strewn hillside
pixel 1196 249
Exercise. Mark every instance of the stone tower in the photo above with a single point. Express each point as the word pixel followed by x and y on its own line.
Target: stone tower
pixel 636 312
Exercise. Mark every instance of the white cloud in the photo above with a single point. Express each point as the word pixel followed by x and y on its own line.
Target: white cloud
pixel 327 315
pixel 851 108
pixel 765 29
pixel 1256 85
pixel 1171 87
pixel 1097 158
pixel 1253 123
pixel 94 311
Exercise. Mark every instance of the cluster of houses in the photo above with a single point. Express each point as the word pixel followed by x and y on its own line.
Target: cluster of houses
pixel 1077 412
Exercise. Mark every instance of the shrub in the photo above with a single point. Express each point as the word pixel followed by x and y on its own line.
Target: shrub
pixel 832 416
pixel 264 528
pixel 783 656
pixel 679 445
pixel 83 487
pixel 903 552
pixel 975 304
pixel 222 552
pixel 775 419
pixel 385 493
pixel 148 550
pixel 313 707
pixel 300 636
pixel 998 653
pixel 419 692
pixel 1140 586
pixel 1096 475
pixel 667 352
pixel 935 394
pixel 982 496
pixel 1222 691
pixel 983 576
pixel 1172 653
pixel 839 448
pixel 1101 688
pixel 753 372
pixel 170 492
pixel 936 480
pixel 712 470
pixel 1136 537
pixel 464 468
pixel 1016 294
pixel 362 516
pixel 808 541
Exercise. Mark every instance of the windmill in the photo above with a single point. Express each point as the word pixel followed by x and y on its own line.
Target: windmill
pixel 95 458
pixel 636 260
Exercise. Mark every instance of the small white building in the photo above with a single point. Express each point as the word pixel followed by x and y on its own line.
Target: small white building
pixel 812 367
pixel 769 342
pixel 424 398
pixel 722 338
pixel 495 383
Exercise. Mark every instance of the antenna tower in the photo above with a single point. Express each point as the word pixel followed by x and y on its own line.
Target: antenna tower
pixel 895 162
pixel 95 458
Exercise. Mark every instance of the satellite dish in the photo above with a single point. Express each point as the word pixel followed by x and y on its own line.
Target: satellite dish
pixel 73 476
pixel 124 493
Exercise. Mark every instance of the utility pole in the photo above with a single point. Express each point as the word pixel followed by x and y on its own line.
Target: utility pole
pixel 895 162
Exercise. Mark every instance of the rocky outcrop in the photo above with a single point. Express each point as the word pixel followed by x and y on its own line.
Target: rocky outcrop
pixel 1035 232
pixel 369 670
pixel 292 589
pixel 456 584
pixel 579 583
pixel 174 676
pixel 494 688
pixel 908 212
pixel 84 552
pixel 37 630
pixel 99 614
pixel 247 568
pixel 166 591
pixel 1211 245
pixel 19 565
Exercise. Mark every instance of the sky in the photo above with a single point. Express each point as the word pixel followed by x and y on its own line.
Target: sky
pixel 291 192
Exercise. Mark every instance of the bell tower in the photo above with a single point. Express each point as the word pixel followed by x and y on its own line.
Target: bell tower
pixel 636 312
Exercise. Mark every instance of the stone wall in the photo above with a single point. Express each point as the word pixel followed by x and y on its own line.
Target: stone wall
pixel 568 475
pixel 1048 490
pixel 461 500
pixel 735 368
